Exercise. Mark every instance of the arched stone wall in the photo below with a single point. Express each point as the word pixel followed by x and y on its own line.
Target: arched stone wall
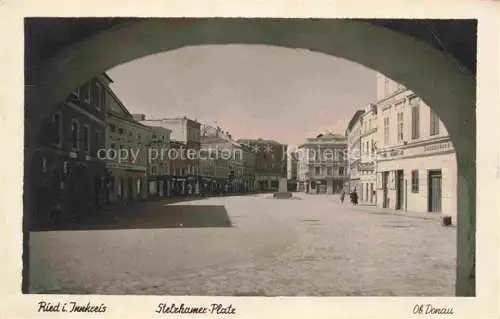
pixel 415 64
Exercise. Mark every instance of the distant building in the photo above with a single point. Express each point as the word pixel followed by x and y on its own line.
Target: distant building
pixel 159 176
pixel 270 162
pixel 416 164
pixel 353 134
pixel 323 164
pixel 185 142
pixel 226 161
pixel 367 165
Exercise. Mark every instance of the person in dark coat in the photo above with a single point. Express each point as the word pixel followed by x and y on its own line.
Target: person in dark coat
pixel 342 196
pixel 354 198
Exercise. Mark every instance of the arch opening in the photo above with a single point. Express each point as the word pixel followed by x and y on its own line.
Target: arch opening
pixel 426 71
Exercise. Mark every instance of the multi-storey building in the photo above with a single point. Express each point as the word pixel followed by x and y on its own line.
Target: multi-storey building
pixel 353 134
pixel 416 165
pixel 229 162
pixel 218 160
pixel 367 163
pixel 68 177
pixel 159 178
pixel 248 168
pixel 185 145
pixel 270 162
pixel 127 143
pixel 323 164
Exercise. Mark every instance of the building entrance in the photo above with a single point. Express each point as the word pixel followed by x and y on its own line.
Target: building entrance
pixel 434 182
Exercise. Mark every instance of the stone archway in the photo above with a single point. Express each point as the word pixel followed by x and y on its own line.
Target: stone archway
pixel 431 74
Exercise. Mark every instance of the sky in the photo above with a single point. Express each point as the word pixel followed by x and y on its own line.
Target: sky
pixel 250 91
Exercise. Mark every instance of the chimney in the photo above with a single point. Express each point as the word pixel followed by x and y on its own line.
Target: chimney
pixel 139 117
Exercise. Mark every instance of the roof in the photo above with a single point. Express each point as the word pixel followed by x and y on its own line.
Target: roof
pixel 258 141
pixel 354 119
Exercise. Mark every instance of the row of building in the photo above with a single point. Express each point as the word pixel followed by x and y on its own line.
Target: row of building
pixel 400 154
pixel 92 152
pixel 395 153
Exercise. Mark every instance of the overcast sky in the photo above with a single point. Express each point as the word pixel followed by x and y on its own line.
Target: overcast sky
pixel 251 91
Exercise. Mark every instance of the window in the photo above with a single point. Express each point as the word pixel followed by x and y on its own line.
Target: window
pixel 386 86
pixel 75 134
pixel 98 96
pixel 386 130
pixel 153 170
pixel 329 171
pixel 341 171
pixel 88 91
pixel 317 171
pixel 112 128
pixel 415 122
pixel 434 129
pixel 86 139
pixel 414 181
pixel 76 92
pixel 120 130
pixel 57 128
pixel 400 126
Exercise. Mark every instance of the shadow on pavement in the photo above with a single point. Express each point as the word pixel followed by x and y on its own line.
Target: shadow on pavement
pixel 149 216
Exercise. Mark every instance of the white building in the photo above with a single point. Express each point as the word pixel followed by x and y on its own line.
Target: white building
pixel 416 165
pixel 158 161
pixel 322 166
pixel 353 135
pixel 367 164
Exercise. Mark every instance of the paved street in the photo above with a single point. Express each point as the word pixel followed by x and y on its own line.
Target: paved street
pixel 311 246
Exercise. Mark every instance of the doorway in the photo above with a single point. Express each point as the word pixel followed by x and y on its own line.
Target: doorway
pixel 385 181
pixel 434 190
pixel 399 188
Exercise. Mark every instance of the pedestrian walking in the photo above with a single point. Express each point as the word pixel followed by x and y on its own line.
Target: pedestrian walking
pixel 354 198
pixel 342 196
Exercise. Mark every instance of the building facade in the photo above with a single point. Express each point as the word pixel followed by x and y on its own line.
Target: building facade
pixel 270 162
pixel 416 164
pixel 353 135
pixel 367 165
pixel 229 163
pixel 249 160
pixel 68 178
pixel 323 164
pixel 159 178
pixel 127 143
pixel 185 145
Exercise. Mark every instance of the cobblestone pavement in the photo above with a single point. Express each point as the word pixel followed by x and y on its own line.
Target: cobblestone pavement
pixel 312 246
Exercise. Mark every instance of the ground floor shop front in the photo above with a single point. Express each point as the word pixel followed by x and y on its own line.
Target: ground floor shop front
pixel 65 186
pixel 167 185
pixel 418 184
pixel 322 186
pixel 126 184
